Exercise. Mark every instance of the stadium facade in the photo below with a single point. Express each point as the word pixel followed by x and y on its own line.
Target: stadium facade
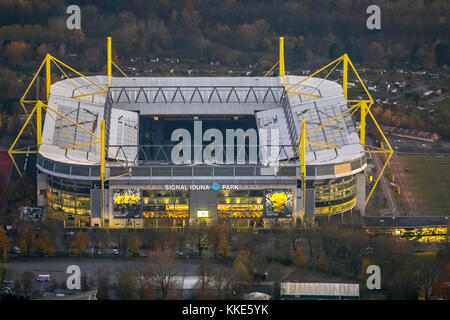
pixel 169 152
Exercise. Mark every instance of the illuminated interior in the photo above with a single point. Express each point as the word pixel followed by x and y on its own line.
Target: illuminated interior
pixel 165 204
pixel 68 202
pixel 336 196
pixel 424 234
pixel 240 204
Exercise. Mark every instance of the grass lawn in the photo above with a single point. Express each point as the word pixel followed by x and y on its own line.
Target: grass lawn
pixel 445 102
pixel 2 274
pixel 429 178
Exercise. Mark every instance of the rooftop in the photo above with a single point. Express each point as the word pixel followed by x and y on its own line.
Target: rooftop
pixel 404 222
pixel 320 103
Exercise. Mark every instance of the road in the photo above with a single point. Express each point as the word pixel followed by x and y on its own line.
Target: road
pixel 385 185
pixel 405 192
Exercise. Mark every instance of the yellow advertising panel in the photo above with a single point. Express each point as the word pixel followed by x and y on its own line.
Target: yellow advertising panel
pixel 342 168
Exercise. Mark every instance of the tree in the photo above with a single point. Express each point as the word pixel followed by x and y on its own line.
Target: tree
pixel 222 281
pixel 44 243
pixel 298 258
pixel 301 55
pixel 80 243
pixel 243 267
pixel 196 237
pixel 354 51
pixel 123 238
pixel 146 290
pixel 27 240
pixel 334 51
pixel 365 264
pixel 27 283
pixel 442 53
pixel 100 238
pixel 103 283
pixel 218 239
pixel 15 51
pixel 134 245
pixel 127 285
pixel 323 263
pixel 205 282
pixel 42 50
pixel 161 270
pixel 376 51
pixel 4 244
pixel 225 246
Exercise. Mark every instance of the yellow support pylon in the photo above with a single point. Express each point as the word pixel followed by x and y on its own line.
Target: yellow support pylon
pixel 48 75
pixel 362 131
pixel 39 124
pixel 281 68
pixel 109 59
pixel 345 74
pixel 102 167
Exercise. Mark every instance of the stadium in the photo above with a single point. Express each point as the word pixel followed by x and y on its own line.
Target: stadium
pixel 172 152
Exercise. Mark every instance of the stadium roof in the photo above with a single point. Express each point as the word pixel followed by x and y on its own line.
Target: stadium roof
pixel 263 97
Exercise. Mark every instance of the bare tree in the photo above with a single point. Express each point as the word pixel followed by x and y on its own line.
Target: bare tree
pixel 218 239
pixel 161 270
pixel 205 284
pixel 196 238
pixel 222 281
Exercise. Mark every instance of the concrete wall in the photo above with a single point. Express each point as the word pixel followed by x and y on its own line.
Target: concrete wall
pixel 361 193
pixel 203 200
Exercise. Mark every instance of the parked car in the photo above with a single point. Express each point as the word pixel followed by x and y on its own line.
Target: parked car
pixel 179 253
pixel 6 290
pixel 6 282
pixel 261 276
pixel 15 250
pixel 115 252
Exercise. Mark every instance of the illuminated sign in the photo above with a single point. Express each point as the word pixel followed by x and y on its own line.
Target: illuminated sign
pixel 199 187
pixel 127 203
pixel 423 234
pixel 202 213
pixel 337 208
pixel 278 203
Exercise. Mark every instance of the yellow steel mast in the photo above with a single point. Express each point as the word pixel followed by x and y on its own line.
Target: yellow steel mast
pixel 102 167
pixel 109 60
pixel 281 68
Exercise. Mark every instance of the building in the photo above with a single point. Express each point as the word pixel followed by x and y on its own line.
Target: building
pixel 411 133
pixel 423 229
pixel 63 294
pixel 185 150
pixel 319 291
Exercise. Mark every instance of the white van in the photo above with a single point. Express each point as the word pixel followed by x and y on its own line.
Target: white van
pixel 43 277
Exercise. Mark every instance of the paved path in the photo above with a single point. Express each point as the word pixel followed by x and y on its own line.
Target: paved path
pixel 56 267
pixel 405 190
pixel 385 185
